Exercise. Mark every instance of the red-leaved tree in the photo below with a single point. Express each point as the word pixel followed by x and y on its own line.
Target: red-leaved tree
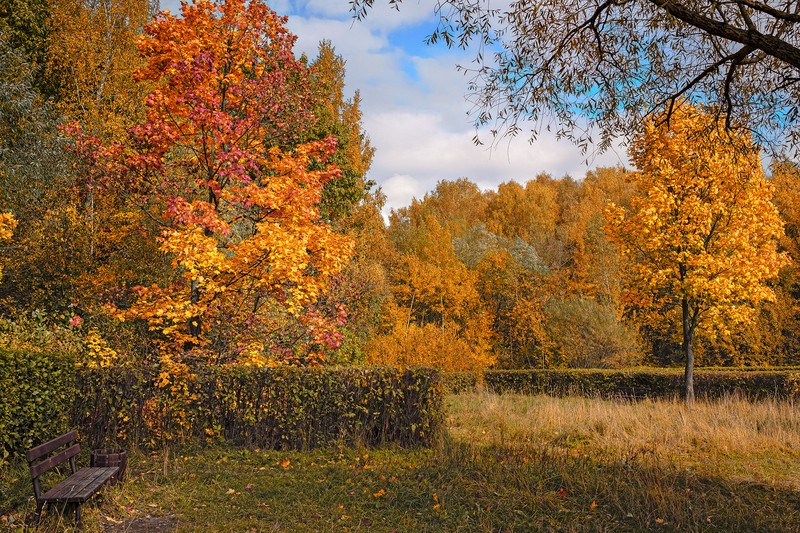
pixel 216 164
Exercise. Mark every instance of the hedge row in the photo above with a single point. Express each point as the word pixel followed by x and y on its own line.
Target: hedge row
pixel 645 383
pixel 35 393
pixel 277 408
pixel 458 382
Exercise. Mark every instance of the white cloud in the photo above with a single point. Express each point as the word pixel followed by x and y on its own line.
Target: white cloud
pixel 402 188
pixel 422 146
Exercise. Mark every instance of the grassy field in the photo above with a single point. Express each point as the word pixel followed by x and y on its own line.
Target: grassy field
pixel 507 463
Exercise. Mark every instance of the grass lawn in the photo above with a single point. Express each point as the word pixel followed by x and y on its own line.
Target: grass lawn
pixel 507 463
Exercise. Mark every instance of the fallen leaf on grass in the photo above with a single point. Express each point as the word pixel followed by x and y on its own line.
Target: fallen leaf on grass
pixel 379 493
pixel 285 463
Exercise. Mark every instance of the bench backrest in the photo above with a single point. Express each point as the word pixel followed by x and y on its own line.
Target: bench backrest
pixel 47 456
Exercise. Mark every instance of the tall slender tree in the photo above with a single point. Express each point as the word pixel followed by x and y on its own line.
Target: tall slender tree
pixel 702 232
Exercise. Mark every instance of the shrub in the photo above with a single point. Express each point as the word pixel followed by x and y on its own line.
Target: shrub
pixel 458 382
pixel 35 392
pixel 274 407
pixel 587 334
pixel 448 349
pixel 641 383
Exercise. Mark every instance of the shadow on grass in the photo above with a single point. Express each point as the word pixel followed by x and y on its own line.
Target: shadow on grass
pixel 455 487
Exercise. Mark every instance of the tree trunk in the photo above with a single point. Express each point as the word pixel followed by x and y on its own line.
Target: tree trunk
pixel 688 339
pixel 195 327
pixel 194 322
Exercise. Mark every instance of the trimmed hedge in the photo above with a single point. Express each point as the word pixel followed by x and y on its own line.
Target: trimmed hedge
pixel 36 390
pixel 277 408
pixel 458 382
pixel 645 383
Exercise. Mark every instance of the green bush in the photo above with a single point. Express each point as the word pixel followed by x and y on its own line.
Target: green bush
pixel 587 334
pixel 110 405
pixel 645 383
pixel 276 408
pixel 36 390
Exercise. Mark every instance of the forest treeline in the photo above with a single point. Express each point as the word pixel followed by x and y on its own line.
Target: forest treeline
pixel 116 247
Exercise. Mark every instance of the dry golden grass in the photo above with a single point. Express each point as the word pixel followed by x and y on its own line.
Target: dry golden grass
pixel 737 439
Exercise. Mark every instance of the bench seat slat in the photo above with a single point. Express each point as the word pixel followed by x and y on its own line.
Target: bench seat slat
pixel 80 486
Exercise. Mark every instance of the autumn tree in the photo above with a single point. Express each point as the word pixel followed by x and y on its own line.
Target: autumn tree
pixel 216 162
pixel 92 58
pixel 514 285
pixel 529 212
pixel 701 234
pixel 349 204
pixel 33 176
pixel 76 243
pixel 339 117
pixel 363 286
pixel 435 316
pixel 783 325
pixel 603 63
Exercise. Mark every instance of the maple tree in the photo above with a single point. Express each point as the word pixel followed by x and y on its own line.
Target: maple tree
pixel 217 164
pixel 701 233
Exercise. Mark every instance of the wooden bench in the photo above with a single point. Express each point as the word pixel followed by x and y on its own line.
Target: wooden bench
pixel 78 487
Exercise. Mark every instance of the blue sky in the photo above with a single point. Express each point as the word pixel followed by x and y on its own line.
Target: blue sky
pixel 415 112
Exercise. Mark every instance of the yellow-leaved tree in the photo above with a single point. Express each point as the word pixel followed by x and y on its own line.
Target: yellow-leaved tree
pixel 701 234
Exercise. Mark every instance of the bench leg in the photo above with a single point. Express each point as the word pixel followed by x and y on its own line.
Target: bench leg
pixel 78 523
pixel 38 515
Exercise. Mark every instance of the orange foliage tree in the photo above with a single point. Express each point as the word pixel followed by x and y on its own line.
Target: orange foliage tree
pixel 436 316
pixel 214 163
pixel 702 233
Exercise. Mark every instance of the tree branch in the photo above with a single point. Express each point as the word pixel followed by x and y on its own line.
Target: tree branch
pixel 770 44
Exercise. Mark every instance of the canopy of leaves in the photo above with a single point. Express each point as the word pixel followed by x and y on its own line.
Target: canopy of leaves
pixel 215 162
pixel 702 232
